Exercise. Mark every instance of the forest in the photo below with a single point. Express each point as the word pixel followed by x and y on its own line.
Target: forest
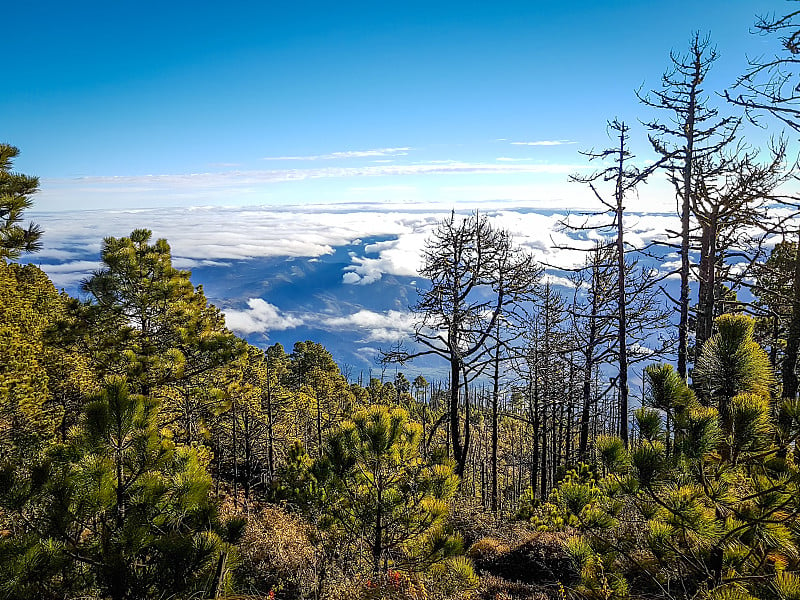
pixel 148 452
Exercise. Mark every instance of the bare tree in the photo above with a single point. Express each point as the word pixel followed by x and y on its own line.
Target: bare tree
pixel 592 318
pixel 625 177
pixel 730 201
pixel 693 131
pixel 770 85
pixel 475 275
pixel 539 365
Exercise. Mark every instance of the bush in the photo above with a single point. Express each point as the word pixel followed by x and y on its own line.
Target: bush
pixel 709 508
pixel 487 548
pixel 277 553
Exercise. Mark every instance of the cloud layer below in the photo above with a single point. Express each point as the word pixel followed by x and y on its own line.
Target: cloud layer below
pixel 395 238
pixel 211 236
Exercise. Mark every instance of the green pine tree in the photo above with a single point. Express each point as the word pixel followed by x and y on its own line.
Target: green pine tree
pixel 29 304
pixel 15 198
pixel 320 389
pixel 372 487
pixel 146 320
pixel 718 516
pixel 119 511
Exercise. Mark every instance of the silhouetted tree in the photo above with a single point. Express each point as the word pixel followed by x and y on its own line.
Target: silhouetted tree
pixel 625 177
pixel 770 85
pixel 692 132
pixel 475 276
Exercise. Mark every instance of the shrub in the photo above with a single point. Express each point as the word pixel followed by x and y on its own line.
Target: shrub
pixel 709 508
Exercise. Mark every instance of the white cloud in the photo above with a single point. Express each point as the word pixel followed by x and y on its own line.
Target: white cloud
pixel 640 350
pixel 389 326
pixel 214 236
pixel 557 280
pixel 69 273
pixel 53 253
pixel 347 154
pixel 190 263
pixel 539 233
pixel 364 271
pixel 141 184
pixel 401 256
pixel 77 266
pixel 544 143
pixel 383 188
pixel 672 267
pixel 351 278
pixel 261 317
pixel 368 354
pixel 545 183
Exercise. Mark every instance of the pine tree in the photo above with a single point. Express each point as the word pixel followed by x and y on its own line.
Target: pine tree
pixel 375 490
pixel 733 364
pixel 718 516
pixel 29 304
pixel 146 320
pixel 252 412
pixel 15 198
pixel 774 289
pixel 319 383
pixel 119 511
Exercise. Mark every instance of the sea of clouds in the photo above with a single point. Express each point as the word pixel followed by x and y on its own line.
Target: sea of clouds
pixel 345 273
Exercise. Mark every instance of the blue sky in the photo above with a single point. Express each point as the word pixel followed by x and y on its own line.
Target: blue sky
pixel 123 104
pixel 266 114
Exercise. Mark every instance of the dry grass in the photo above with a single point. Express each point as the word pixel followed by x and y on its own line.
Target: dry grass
pixel 487 549
pixel 530 566
pixel 474 523
pixel 282 553
pixel 277 553
pixel 497 588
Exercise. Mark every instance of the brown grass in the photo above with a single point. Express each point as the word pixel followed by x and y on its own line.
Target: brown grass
pixel 277 553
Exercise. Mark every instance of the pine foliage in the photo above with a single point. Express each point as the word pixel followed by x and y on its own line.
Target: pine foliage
pixel 16 190
pixel 29 304
pixel 118 509
pixel 147 321
pixel 709 508
pixel 372 488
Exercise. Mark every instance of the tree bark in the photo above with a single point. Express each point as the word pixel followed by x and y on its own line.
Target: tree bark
pixel 583 443
pixel 789 365
pixel 622 331
pixel 270 432
pixel 455 430
pixel 495 402
pixel 689 136
pixel 706 295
